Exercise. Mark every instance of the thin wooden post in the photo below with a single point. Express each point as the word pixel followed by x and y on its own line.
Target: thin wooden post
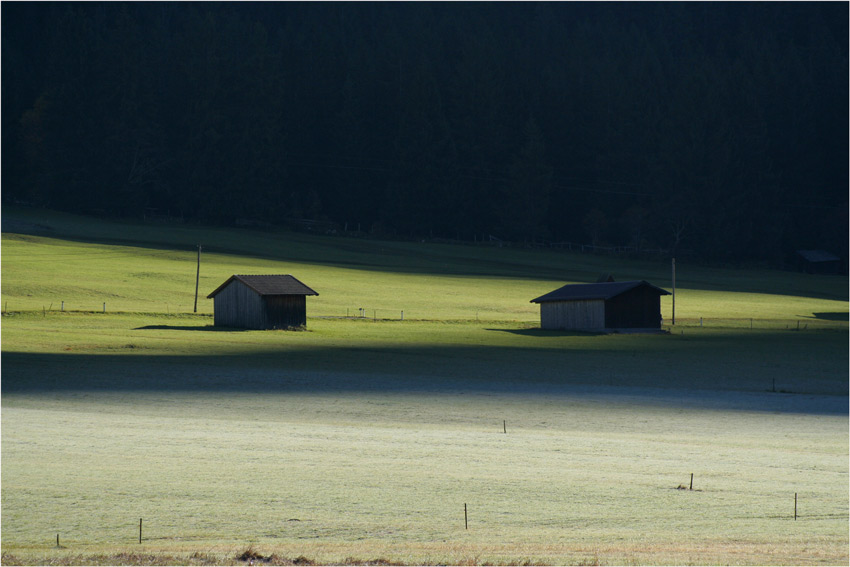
pixel 197 278
pixel 140 530
pixel 795 506
pixel 57 540
pixel 63 307
pixel 104 307
pixel 692 482
pixel 505 425
pixel 466 519
pixel 674 292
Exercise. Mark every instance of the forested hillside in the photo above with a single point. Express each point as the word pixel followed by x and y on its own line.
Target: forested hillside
pixel 717 128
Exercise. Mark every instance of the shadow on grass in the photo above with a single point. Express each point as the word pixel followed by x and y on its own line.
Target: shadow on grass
pixel 680 373
pixel 829 316
pixel 538 332
pixel 208 328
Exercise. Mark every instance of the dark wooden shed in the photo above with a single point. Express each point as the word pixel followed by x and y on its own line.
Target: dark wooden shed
pixel 602 306
pixel 261 302
pixel 818 262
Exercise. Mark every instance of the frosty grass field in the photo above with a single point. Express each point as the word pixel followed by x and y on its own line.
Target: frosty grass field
pixel 362 439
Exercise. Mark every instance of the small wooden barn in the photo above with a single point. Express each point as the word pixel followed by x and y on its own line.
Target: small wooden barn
pixel 602 306
pixel 261 302
pixel 818 262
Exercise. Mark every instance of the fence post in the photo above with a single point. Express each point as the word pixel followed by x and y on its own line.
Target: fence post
pixel 673 318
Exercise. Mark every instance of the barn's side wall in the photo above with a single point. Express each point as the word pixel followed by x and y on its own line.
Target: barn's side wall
pixel 638 308
pixel 239 306
pixel 284 311
pixel 578 315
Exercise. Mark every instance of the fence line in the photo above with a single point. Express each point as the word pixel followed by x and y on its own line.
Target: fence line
pixel 755 323
pixel 395 314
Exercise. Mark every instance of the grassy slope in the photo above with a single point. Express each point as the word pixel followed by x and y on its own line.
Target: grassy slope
pixel 373 434
pixel 147 268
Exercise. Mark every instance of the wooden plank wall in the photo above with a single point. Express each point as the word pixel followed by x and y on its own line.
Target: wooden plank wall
pixel 639 308
pixel 238 306
pixel 582 315
pixel 284 311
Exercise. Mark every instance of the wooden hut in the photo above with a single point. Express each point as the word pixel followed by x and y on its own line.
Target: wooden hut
pixel 602 306
pixel 261 302
pixel 818 262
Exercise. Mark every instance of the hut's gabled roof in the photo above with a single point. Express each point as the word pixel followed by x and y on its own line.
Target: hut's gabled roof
pixel 605 290
pixel 818 256
pixel 269 285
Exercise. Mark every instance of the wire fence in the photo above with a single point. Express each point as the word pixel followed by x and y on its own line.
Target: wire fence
pixel 828 322
pixel 754 323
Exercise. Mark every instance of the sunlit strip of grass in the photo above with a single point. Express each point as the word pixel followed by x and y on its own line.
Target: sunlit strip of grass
pixel 696 304
pixel 46 274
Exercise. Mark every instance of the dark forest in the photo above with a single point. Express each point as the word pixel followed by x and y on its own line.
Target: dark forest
pixel 718 130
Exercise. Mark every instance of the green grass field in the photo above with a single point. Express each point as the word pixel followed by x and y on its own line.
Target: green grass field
pixel 362 439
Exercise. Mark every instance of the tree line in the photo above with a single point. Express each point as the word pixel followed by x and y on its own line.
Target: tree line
pixel 716 128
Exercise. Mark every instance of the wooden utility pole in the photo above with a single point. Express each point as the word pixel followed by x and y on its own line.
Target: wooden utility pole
pixel 197 278
pixel 674 291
